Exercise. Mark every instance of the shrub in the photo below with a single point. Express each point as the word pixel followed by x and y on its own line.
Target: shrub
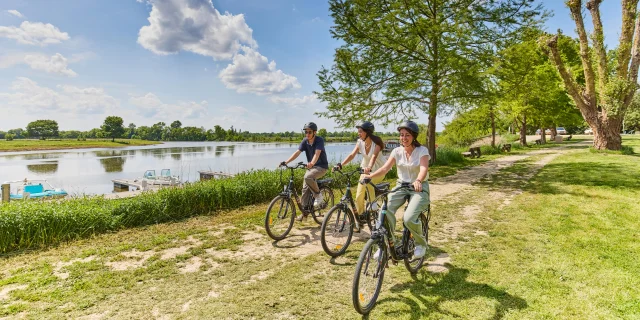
pixel 9 136
pixel 448 155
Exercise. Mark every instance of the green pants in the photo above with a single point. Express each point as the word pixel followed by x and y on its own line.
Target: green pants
pixel 418 202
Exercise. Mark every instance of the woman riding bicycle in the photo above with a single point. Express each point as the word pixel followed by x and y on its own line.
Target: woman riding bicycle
pixel 370 147
pixel 412 161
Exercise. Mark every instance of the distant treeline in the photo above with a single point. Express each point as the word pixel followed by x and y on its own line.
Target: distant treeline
pixel 162 132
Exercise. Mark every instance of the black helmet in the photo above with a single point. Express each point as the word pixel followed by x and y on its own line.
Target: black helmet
pixel 411 126
pixel 310 125
pixel 367 127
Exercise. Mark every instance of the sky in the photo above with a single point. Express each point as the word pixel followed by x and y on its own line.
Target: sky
pixel 250 64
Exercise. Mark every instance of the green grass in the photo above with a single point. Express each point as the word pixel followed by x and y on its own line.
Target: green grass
pixel 28 145
pixel 565 248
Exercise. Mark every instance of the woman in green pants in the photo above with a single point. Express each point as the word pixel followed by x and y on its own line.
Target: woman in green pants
pixel 412 161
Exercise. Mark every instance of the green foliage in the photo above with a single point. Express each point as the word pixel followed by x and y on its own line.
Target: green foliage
pixel 322 132
pixel 43 129
pixel 448 155
pixel 32 224
pixel 632 117
pixel 113 127
pixel 625 150
pixel 9 136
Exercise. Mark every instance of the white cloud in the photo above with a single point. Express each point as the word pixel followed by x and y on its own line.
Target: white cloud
pixel 194 26
pixel 36 33
pixel 56 64
pixel 15 13
pixel 295 101
pixel 28 96
pixel 252 72
pixel 150 105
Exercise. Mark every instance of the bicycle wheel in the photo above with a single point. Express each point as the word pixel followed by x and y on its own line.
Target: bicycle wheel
pixel 367 281
pixel 336 231
pixel 280 217
pixel 327 203
pixel 414 264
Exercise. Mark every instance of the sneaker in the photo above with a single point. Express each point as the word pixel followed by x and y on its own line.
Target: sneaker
pixel 301 216
pixel 377 254
pixel 318 202
pixel 420 251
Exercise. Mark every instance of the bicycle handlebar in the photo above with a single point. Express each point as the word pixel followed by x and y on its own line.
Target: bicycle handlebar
pixel 359 170
pixel 403 185
pixel 298 165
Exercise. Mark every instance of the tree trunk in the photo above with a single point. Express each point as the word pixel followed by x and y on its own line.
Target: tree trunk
pixel 493 129
pixel 113 139
pixel 606 134
pixel 431 136
pixel 523 131
pixel 543 135
pixel 554 133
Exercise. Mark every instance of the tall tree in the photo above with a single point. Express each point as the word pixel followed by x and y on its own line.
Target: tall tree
pixel 132 130
pixel 113 127
pixel 605 97
pixel 404 57
pixel 43 129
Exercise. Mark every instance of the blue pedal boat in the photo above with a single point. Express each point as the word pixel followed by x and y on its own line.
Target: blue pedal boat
pixel 35 189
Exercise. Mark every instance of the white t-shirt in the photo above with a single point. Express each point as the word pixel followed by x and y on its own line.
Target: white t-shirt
pixel 408 169
pixel 366 157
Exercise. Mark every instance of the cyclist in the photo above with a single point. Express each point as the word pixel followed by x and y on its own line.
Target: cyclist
pixel 370 147
pixel 412 161
pixel 313 147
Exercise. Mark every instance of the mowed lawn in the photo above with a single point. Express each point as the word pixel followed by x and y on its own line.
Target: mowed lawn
pixel 31 145
pixel 565 246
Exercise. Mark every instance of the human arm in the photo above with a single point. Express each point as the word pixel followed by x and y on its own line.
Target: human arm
pixel 349 157
pixel 376 152
pixel 424 169
pixel 316 156
pixel 293 156
pixel 382 170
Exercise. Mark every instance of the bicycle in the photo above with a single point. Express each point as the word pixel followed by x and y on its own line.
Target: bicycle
pixel 284 199
pixel 342 216
pixel 382 239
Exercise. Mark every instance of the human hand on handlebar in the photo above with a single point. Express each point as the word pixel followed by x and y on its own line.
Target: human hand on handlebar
pixel 365 179
pixel 282 164
pixel 366 170
pixel 337 167
pixel 309 165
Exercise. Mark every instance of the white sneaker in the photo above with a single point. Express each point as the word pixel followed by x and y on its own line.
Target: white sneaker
pixel 420 251
pixel 318 202
pixel 377 254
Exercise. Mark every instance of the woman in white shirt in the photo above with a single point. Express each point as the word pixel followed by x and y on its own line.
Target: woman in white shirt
pixel 412 161
pixel 370 147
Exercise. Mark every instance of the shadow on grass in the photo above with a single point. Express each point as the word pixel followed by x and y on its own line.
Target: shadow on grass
pixel 431 290
pixel 299 239
pixel 585 173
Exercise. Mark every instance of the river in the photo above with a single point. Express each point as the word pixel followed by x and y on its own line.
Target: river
pixel 90 171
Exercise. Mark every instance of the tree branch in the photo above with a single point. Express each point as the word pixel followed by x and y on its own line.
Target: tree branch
pixel 589 76
pixel 570 84
pixel 624 48
pixel 598 43
pixel 635 64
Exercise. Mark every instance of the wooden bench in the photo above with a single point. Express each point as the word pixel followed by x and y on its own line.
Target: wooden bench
pixel 472 153
pixel 506 147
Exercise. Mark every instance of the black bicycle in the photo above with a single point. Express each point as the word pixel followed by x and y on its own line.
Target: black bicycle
pixel 341 220
pixel 376 252
pixel 279 224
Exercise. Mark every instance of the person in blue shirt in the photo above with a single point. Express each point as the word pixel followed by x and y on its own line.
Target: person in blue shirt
pixel 317 166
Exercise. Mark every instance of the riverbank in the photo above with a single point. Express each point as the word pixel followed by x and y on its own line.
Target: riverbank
pixel 35 145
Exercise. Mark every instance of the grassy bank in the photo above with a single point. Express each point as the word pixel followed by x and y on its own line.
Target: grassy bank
pixel 562 245
pixel 30 145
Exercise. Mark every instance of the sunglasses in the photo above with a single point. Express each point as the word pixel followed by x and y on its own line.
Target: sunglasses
pixel 308 132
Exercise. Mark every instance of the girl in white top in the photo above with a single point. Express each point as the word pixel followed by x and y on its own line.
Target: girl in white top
pixel 370 147
pixel 412 161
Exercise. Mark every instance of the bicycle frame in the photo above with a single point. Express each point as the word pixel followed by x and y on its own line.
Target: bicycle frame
pixel 384 232
pixel 347 199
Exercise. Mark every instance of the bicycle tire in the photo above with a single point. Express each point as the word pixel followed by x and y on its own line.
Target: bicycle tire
pixel 328 224
pixel 358 296
pixel 414 266
pixel 268 220
pixel 318 214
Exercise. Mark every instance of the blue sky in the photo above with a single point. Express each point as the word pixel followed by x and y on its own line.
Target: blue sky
pixel 247 63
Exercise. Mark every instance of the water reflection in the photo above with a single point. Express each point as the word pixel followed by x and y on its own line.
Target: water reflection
pixel 43 168
pixel 113 160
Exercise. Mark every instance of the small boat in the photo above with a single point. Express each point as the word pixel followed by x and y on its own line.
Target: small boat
pixel 35 189
pixel 390 145
pixel 165 177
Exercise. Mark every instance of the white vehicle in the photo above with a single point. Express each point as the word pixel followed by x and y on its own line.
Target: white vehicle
pixel 588 131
